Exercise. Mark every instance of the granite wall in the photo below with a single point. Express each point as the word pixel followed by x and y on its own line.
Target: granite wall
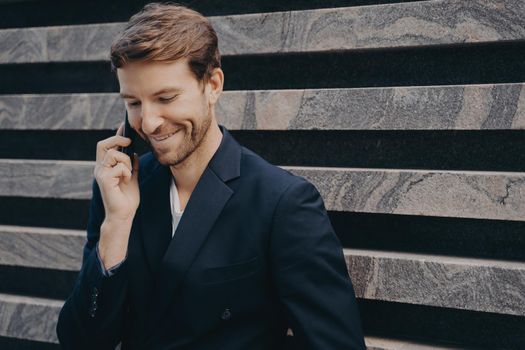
pixel 408 116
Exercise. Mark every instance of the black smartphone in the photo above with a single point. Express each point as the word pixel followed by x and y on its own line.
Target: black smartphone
pixel 129 132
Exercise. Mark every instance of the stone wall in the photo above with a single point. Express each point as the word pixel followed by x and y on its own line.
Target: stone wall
pixel 408 116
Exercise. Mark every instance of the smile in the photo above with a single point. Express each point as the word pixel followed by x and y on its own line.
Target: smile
pixel 162 138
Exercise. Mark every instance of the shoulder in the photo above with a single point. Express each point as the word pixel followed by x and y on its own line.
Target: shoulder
pixel 269 177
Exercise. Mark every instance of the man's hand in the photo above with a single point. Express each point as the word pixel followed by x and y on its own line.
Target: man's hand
pixel 119 189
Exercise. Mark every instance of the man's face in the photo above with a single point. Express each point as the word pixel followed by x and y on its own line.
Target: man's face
pixel 167 106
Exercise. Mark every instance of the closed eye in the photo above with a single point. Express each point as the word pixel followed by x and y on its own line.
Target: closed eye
pixel 167 99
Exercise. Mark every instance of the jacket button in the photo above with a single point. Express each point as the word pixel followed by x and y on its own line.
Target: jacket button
pixel 226 314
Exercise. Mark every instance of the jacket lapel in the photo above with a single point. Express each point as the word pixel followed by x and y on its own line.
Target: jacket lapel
pixel 202 210
pixel 156 221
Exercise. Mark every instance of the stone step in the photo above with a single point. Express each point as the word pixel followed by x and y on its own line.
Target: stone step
pixel 458 194
pixel 423 23
pixel 377 343
pixel 41 247
pixel 458 283
pixel 458 107
pixel 29 318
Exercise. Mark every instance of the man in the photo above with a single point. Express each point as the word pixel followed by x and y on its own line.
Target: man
pixel 200 244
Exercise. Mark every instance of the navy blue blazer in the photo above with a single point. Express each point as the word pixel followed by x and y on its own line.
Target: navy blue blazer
pixel 254 254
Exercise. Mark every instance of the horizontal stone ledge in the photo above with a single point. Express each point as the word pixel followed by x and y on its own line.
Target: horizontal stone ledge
pixel 41 247
pixel 457 283
pixel 464 194
pixel 29 318
pixel 469 284
pixel 440 22
pixel 377 343
pixel 459 107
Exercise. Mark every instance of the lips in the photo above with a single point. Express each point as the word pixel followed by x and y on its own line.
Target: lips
pixel 164 137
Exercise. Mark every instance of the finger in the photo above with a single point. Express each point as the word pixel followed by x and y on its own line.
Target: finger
pixel 119 171
pixel 112 142
pixel 113 157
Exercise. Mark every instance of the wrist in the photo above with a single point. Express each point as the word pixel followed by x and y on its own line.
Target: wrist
pixel 113 243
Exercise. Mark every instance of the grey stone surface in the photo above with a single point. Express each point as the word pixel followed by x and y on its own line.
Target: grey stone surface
pixel 61 111
pixel 468 194
pixel 376 343
pixel 46 179
pixel 41 247
pixel 29 318
pixel 459 283
pixel 389 25
pixel 473 107
pixel 482 285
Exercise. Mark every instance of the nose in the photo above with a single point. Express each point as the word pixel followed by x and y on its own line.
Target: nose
pixel 151 119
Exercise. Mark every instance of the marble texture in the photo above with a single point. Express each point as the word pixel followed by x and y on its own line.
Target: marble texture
pixel 61 111
pixel 462 107
pixel 458 283
pixel 474 107
pixel 363 27
pixel 471 284
pixel 41 247
pixel 376 343
pixel 466 194
pixel 29 318
pixel 46 179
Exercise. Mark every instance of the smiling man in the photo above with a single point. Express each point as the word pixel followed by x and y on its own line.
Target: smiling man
pixel 200 243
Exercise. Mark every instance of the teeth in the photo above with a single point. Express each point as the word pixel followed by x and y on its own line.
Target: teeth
pixel 164 138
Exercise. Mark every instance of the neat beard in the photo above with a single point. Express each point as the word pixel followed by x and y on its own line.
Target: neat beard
pixel 190 143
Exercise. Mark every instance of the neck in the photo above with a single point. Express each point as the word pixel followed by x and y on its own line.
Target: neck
pixel 188 173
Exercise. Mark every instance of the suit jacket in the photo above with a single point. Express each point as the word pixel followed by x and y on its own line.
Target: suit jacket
pixel 254 254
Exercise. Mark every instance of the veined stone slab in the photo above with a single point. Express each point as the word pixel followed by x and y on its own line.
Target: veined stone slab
pixel 467 194
pixel 41 247
pixel 389 25
pixel 61 111
pixel 459 283
pixel 467 107
pixel 46 179
pixel 29 318
pixel 376 343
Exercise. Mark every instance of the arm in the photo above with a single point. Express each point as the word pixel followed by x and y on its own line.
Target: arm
pixel 311 275
pixel 92 315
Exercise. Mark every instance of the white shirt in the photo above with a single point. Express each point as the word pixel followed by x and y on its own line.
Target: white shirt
pixel 176 213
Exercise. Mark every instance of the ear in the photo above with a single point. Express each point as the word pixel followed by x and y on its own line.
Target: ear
pixel 215 84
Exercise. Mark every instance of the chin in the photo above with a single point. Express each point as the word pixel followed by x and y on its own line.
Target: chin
pixel 171 158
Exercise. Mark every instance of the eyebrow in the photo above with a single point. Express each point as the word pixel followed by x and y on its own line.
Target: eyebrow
pixel 162 91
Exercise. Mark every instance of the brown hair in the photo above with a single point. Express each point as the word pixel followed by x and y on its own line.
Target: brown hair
pixel 166 32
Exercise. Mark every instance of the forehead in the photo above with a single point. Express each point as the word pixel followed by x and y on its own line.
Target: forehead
pixel 145 78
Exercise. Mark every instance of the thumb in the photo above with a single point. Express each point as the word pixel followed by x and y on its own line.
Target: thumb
pixel 135 172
